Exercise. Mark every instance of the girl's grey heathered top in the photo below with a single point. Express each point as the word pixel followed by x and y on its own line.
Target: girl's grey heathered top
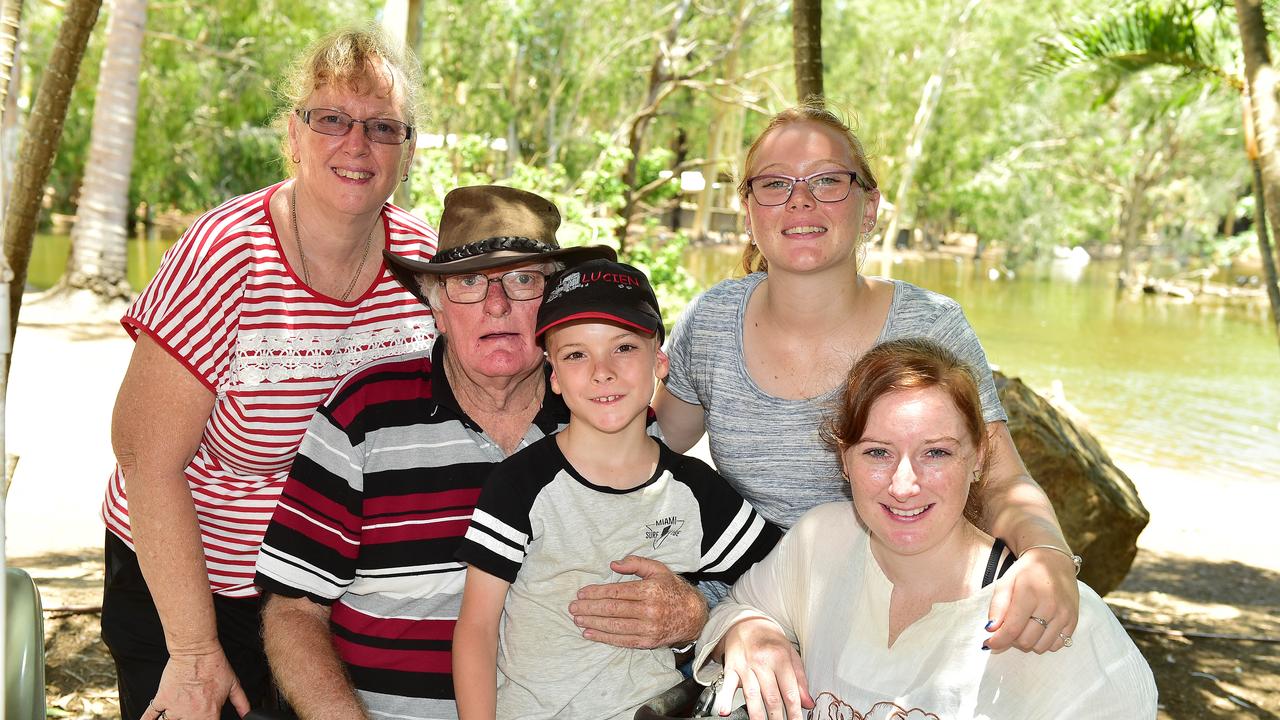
pixel 768 447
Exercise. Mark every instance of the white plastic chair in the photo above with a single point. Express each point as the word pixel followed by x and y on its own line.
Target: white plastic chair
pixel 24 648
pixel 22 642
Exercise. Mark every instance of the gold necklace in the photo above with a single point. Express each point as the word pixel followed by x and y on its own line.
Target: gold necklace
pixel 297 239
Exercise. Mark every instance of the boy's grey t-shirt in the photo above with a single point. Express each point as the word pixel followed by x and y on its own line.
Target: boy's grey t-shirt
pixel 769 448
pixel 548 531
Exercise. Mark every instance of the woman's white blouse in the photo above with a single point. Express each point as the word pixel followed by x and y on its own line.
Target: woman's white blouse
pixel 824 588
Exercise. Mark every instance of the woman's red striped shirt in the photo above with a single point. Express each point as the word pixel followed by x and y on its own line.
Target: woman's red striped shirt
pixel 226 305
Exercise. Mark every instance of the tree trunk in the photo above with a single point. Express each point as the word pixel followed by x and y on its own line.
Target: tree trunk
pixel 915 141
pixel 661 73
pixel 1264 247
pixel 1260 210
pixel 413 35
pixel 557 122
pixel 1262 82
pixel 915 148
pixel 806 43
pixel 402 20
pixel 10 23
pixel 711 171
pixel 513 100
pixel 1131 226
pixel 681 150
pixel 735 152
pixel 723 115
pixel 40 143
pixel 395 19
pixel 99 249
pixel 551 135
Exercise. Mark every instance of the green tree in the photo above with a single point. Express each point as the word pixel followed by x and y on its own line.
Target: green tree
pixel 1178 34
pixel 40 144
pixel 929 99
pixel 97 262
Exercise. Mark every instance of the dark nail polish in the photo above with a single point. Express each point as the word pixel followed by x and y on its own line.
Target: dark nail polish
pixel 984 646
pixel 989 624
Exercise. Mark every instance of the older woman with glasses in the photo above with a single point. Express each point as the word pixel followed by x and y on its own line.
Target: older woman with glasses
pixel 254 316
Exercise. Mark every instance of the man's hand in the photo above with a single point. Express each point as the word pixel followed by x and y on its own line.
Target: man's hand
pixel 304 662
pixel 658 610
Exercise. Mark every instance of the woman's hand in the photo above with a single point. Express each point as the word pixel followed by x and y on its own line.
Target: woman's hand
pixel 1042 583
pixel 759 658
pixel 159 418
pixel 658 610
pixel 195 685
pixel 1041 586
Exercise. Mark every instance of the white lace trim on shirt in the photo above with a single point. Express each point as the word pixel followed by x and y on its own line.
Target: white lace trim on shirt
pixel 288 355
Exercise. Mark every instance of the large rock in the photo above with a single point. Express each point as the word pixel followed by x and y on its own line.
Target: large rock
pixel 1097 504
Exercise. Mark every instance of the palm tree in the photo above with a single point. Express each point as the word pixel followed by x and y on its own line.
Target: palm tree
pixel 40 143
pixel 1263 115
pixel 10 23
pixel 806 43
pixel 1176 34
pixel 98 240
pixel 402 19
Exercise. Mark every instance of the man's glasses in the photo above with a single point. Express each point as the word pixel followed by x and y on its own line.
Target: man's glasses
pixel 474 287
pixel 328 121
pixel 827 187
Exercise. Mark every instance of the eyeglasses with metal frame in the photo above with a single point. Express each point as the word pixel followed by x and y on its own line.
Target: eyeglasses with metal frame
pixel 474 287
pixel 829 187
pixel 330 121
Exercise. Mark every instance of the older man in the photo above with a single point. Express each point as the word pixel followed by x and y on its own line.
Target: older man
pixel 357 564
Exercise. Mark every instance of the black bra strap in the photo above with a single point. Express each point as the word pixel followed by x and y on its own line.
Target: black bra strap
pixel 995 568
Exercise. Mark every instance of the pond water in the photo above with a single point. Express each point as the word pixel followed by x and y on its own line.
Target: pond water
pixel 49 259
pixel 1162 383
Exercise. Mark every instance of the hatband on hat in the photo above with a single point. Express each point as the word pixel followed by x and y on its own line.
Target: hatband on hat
pixel 488 226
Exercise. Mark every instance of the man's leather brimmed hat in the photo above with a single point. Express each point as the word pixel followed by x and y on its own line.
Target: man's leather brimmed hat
pixel 488 226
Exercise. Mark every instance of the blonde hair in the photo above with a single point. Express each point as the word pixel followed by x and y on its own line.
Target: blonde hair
pixel 814 112
pixel 361 60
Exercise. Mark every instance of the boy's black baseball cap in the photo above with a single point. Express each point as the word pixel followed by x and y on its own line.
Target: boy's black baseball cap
pixel 600 290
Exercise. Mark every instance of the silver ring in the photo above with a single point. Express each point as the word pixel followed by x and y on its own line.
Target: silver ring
pixel 1042 621
pixel 707 699
pixel 1066 640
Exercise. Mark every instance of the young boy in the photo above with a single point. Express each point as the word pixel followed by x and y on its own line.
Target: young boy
pixel 552 517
